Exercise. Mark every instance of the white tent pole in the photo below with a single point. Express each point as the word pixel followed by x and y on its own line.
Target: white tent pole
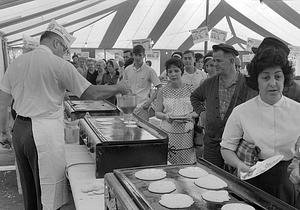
pixel 206 23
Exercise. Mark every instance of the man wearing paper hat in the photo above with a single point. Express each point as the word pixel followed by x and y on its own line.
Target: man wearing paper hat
pixel 37 81
pixel 225 90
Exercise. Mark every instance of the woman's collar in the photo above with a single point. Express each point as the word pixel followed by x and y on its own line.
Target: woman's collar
pixel 277 104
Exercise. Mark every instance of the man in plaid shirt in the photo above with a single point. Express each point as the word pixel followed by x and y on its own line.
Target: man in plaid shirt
pixel 218 96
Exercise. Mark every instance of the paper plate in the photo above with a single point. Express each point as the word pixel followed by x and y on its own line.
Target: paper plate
pixel 261 167
pixel 179 117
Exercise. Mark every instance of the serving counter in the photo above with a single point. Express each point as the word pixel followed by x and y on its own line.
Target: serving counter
pixel 80 172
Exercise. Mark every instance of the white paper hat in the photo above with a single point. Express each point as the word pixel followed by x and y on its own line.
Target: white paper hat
pixel 62 32
pixel 30 42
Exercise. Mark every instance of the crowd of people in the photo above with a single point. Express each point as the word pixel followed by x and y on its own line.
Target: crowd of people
pixel 244 117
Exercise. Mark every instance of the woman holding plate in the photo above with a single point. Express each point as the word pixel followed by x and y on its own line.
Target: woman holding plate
pixel 269 121
pixel 176 112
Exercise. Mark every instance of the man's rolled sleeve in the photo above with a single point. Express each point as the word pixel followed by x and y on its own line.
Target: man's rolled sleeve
pixel 73 81
pixel 233 132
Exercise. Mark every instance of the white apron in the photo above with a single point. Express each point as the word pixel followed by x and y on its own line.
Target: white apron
pixel 48 134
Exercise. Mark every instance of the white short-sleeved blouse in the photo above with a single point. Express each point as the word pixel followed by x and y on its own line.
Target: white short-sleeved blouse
pixel 273 128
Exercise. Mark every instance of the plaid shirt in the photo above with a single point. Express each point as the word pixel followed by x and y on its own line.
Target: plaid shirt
pixel 247 152
pixel 225 95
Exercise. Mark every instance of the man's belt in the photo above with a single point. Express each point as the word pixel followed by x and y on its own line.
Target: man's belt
pixel 23 118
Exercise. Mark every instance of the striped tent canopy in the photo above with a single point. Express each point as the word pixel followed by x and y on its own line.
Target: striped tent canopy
pixel 113 24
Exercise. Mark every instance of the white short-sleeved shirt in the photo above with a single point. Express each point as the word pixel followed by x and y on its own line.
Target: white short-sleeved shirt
pixel 140 81
pixel 194 79
pixel 38 80
pixel 273 128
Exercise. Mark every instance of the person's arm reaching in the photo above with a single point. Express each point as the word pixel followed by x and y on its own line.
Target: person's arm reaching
pixel 98 92
pixel 71 80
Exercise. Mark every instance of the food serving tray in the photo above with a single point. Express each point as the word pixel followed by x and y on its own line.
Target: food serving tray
pixel 78 108
pixel 90 105
pixel 239 191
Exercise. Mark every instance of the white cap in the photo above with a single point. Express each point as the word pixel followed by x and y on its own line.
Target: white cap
pixel 62 32
pixel 30 42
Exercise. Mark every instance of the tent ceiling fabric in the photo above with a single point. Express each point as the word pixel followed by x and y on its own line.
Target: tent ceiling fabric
pixel 107 24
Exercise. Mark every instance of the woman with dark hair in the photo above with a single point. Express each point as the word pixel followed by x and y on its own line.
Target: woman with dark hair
pixel 176 112
pixel 208 65
pixel 269 121
pixel 199 61
pixel 111 77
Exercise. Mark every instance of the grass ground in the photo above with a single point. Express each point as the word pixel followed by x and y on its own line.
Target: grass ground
pixel 10 199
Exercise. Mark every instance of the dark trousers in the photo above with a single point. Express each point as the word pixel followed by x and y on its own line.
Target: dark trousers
pixel 212 151
pixel 276 182
pixel 27 160
pixel 298 200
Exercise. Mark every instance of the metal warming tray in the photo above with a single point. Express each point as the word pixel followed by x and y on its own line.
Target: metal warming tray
pixel 76 109
pixel 113 145
pixel 137 190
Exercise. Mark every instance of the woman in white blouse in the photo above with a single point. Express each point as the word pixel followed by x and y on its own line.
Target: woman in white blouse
pixel 270 120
